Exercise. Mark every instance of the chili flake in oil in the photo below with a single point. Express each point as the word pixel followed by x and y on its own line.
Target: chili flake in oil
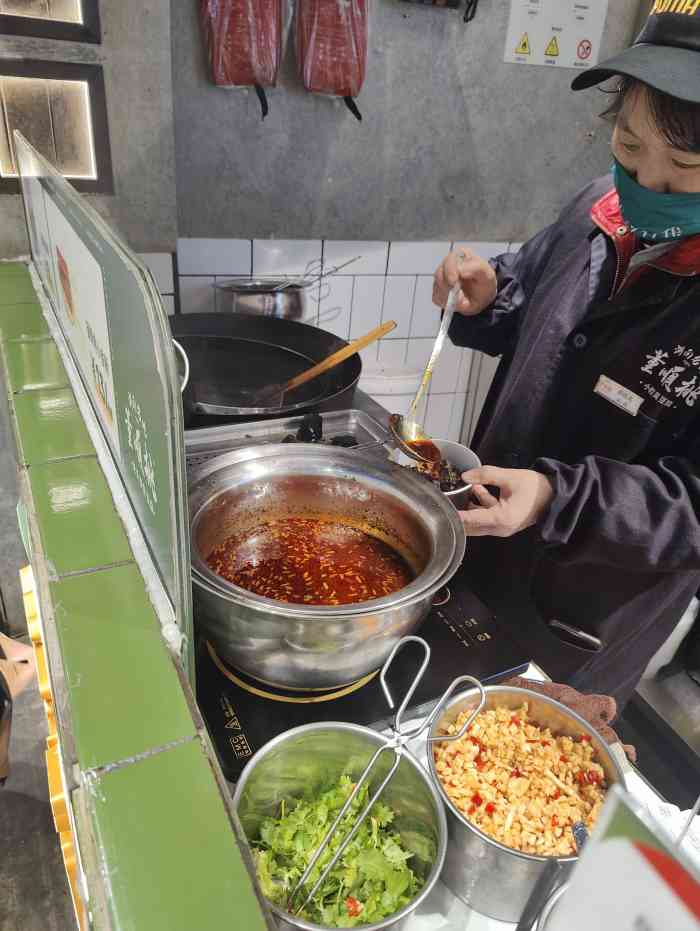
pixel 311 561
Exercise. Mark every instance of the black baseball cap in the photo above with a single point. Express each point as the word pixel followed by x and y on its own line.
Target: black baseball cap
pixel 665 55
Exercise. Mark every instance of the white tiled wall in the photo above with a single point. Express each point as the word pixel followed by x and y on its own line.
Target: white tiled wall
pixel 335 305
pixel 425 321
pixel 399 291
pixel 392 353
pixel 160 265
pixel 389 281
pixel 227 257
pixel 197 294
pixel 286 256
pixel 367 303
pixel 416 258
pixel 366 258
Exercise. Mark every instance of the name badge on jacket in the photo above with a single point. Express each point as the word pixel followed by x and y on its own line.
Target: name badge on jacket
pixel 624 398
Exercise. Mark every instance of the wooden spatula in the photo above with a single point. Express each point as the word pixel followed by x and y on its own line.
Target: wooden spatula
pixel 273 395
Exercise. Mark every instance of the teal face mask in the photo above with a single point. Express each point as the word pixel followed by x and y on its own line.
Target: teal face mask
pixel 656 217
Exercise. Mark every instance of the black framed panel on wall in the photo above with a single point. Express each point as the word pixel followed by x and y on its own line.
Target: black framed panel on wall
pixel 68 20
pixel 60 107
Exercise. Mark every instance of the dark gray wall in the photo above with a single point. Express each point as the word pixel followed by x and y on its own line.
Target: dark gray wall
pixel 135 54
pixel 454 143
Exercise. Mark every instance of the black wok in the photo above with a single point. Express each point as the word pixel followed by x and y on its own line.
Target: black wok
pixel 231 352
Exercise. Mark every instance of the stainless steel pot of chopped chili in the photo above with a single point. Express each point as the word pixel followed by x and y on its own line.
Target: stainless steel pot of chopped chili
pixel 513 784
pixel 309 563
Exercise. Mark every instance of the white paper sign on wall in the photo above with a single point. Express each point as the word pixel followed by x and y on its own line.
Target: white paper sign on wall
pixel 555 33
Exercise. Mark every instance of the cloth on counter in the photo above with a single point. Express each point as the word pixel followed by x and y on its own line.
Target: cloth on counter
pixel 598 710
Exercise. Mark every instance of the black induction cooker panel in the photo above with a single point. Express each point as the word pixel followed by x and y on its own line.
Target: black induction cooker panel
pixel 242 714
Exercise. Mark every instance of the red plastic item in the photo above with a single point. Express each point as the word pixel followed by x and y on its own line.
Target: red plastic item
pixel 244 41
pixel 331 46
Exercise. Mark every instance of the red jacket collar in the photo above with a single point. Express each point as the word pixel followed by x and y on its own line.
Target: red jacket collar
pixel 681 259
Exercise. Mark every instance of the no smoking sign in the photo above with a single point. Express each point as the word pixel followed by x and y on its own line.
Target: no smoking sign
pixel 584 50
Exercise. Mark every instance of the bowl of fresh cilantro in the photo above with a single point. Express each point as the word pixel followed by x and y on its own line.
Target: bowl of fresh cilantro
pixel 289 795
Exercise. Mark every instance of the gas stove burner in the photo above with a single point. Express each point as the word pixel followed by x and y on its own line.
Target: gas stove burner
pixel 441 597
pixel 289 696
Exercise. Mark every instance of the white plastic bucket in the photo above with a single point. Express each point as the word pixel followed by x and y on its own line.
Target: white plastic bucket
pixel 389 381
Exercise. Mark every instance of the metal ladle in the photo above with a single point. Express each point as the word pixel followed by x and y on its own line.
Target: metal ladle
pixel 406 430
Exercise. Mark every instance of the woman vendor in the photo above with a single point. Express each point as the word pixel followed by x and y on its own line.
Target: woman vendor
pixel 591 430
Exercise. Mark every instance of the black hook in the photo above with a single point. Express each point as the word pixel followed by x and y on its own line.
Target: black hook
pixel 263 100
pixel 352 107
pixel 470 10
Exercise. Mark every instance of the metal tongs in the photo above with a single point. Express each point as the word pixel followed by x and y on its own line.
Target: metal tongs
pixel 394 744
pixel 308 279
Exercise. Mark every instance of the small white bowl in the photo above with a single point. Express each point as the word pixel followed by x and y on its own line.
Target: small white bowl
pixel 463 459
pixel 458 455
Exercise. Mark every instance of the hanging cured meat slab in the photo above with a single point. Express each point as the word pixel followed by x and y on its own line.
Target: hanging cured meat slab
pixel 331 47
pixel 244 43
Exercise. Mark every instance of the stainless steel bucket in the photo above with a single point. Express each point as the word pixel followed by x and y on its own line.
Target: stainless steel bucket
pixel 489 877
pixel 269 297
pixel 303 761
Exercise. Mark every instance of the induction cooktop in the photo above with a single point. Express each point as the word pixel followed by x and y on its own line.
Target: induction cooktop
pixel 242 713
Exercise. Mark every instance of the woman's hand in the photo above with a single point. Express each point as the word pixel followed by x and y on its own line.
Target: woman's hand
pixel 476 276
pixel 524 497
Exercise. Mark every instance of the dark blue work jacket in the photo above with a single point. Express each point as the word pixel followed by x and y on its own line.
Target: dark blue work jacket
pixel 599 388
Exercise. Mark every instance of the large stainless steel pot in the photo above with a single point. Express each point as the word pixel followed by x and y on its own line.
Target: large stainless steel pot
pixel 271 297
pixel 302 762
pixel 317 647
pixel 489 877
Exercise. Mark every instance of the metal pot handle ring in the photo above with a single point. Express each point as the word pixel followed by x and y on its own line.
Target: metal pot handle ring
pixel 186 362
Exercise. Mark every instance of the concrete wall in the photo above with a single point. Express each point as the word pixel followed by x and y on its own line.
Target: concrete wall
pixel 454 143
pixel 136 55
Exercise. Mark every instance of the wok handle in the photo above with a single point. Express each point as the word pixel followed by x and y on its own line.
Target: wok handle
pixel 340 356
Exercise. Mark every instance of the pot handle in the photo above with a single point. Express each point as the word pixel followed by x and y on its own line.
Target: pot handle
pixel 183 355
pixel 437 710
pixel 426 723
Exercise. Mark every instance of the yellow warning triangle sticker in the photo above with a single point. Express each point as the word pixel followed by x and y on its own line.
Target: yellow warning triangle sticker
pixel 552 49
pixel 523 46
